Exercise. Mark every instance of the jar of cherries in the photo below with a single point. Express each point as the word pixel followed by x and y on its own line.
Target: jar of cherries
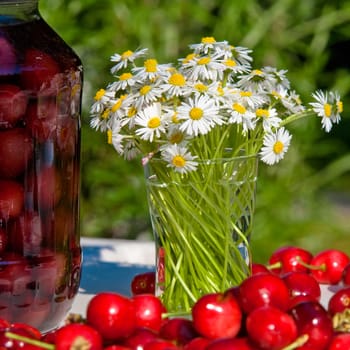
pixel 40 103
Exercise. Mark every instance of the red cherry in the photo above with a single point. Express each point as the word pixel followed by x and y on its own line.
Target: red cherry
pixel 149 310
pixel 340 342
pixel 112 314
pixel 301 283
pixel 16 149
pixel 328 266
pixel 258 268
pixel 198 343
pixel 231 344
pixel 7 57
pixel 41 119
pixel 289 258
pixel 78 336
pixel 346 275
pixel 271 328
pixel 179 330
pixel 143 283
pixel 118 347
pixel 263 289
pixel 217 315
pixel 314 321
pixel 11 199
pixel 26 233
pixel 13 104
pixel 160 344
pixel 339 301
pixel 40 72
pixel 7 343
pixel 139 338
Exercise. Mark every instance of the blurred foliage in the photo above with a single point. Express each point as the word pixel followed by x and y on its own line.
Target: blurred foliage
pixel 305 199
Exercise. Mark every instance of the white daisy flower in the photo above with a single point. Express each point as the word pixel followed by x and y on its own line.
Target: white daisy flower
pixel 125 81
pixel 116 138
pixel 247 98
pixel 241 55
pixel 146 95
pixel 269 118
pixel 198 115
pixel 275 145
pixel 278 77
pixel 239 114
pixel 131 151
pixel 207 43
pixel 102 99
pixel 176 85
pixel 325 108
pixel 151 70
pixel 179 158
pixel 150 120
pixel 257 80
pixel 126 57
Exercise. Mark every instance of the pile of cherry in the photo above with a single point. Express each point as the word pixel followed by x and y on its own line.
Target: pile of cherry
pixel 277 307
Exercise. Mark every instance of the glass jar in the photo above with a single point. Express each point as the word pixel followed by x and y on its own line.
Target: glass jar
pixel 40 102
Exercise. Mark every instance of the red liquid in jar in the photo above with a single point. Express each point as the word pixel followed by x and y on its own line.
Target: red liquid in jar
pixel 40 97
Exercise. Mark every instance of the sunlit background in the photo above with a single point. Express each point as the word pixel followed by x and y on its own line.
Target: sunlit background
pixel 304 200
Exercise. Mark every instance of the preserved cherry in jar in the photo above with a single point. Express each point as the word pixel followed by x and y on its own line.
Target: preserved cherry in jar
pixel 40 103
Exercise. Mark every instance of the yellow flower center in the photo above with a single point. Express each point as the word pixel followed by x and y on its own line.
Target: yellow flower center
pixel 278 147
pixel 125 76
pixel 126 54
pixel 106 113
pixel 327 110
pixel 174 118
pixel 220 90
pixel 257 72
pixel 132 112
pixel 201 87
pixel 230 63
pixel 151 65
pixel 276 94
pixel 208 40
pixel 189 57
pixel 153 122
pixel 179 161
pixel 109 136
pixel 264 113
pixel 239 108
pixel 177 79
pixel 117 105
pixel 203 61
pixel 176 138
pixel 145 90
pixel 196 113
pixel 246 93
pixel 340 106
pixel 99 94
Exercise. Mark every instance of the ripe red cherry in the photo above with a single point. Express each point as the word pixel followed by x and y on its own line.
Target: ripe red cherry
pixel 11 199
pixel 263 289
pixel 314 321
pixel 160 344
pixel 7 57
pixel 328 266
pixel 217 315
pixel 143 283
pixel 78 336
pixel 271 328
pixel 139 338
pixel 148 310
pixel 111 314
pixel 41 119
pixel 258 268
pixel 179 330
pixel 339 301
pixel 232 344
pixel 340 341
pixel 289 258
pixel 15 152
pixel 346 275
pixel 40 71
pixel 198 343
pixel 301 283
pixel 13 104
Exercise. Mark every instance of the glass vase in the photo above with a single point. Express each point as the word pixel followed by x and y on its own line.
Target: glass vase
pixel 202 223
pixel 40 102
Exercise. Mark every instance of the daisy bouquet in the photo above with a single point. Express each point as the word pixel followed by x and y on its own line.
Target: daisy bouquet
pixel 188 121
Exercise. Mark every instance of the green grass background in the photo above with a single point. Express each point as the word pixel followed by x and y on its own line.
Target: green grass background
pixel 304 200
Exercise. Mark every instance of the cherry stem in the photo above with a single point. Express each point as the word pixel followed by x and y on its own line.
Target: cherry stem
pixel 185 314
pixel 321 267
pixel 30 341
pixel 297 343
